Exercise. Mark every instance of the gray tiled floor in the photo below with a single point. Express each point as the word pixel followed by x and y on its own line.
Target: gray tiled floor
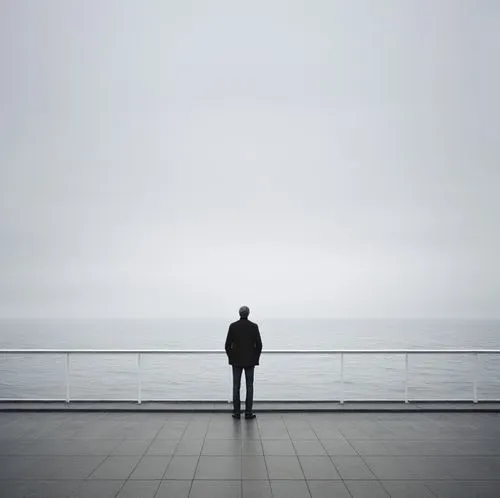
pixel 162 455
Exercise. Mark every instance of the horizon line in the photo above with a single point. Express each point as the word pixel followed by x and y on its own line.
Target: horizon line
pixel 263 317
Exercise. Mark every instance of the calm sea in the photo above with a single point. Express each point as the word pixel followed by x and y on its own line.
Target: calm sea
pixel 282 377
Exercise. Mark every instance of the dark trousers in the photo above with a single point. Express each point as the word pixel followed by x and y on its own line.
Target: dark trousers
pixel 237 371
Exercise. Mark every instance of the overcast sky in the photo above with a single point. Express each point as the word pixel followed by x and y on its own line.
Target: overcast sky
pixel 308 159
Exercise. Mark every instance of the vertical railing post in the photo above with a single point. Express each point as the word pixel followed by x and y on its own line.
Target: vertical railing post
pixel 406 377
pixel 474 373
pixel 68 374
pixel 341 378
pixel 230 397
pixel 139 379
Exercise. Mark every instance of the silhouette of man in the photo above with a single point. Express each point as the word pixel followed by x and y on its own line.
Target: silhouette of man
pixel 243 348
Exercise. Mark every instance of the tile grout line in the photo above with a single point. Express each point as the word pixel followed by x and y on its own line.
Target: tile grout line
pixel 337 469
pixel 199 455
pixel 265 461
pixel 365 463
pixel 171 456
pixel 376 476
pixel 137 464
pixel 298 459
pixel 333 463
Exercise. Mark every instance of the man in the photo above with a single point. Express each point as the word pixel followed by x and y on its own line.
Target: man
pixel 243 348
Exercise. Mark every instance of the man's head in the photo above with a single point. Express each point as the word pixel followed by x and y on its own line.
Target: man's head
pixel 244 312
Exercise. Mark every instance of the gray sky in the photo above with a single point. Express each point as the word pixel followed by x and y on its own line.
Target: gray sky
pixel 313 158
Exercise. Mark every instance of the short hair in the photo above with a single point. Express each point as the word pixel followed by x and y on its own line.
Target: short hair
pixel 244 312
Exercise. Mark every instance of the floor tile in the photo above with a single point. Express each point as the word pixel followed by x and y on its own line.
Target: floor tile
pixel 189 447
pixel 195 431
pixel 253 467
pixel 256 489
pixel 94 446
pixel 388 467
pixel 351 467
pixel 328 489
pixel 338 447
pixel 45 489
pixel 410 467
pixel 311 448
pixel 318 467
pixel 218 467
pixel 215 489
pixel 162 447
pixel 181 467
pixel 274 433
pixel 328 432
pixel 132 447
pixel 98 489
pixel 251 447
pixel 302 433
pixel 407 489
pixel 250 431
pixel 231 432
pixel 408 448
pixel 116 467
pixel 41 446
pixel 32 467
pixel 141 433
pixel 79 467
pixel 289 489
pixel 151 467
pixel 370 447
pixel 222 447
pixel 283 467
pixel 366 489
pixel 278 447
pixel 174 489
pixel 465 489
pixel 136 489
pixel 473 467
pixel 174 434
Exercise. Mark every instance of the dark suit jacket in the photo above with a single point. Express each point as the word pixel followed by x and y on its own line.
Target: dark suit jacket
pixel 243 343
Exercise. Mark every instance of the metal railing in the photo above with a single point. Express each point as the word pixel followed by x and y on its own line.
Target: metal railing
pixel 342 352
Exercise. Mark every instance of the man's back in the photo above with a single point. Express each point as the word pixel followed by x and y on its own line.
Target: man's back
pixel 243 343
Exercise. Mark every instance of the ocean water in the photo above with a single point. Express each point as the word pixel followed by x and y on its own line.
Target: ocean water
pixel 279 377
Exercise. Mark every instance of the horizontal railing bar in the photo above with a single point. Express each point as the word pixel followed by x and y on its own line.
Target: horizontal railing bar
pixel 267 351
pixel 223 401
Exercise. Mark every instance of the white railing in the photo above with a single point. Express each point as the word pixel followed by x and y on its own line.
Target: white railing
pixel 342 352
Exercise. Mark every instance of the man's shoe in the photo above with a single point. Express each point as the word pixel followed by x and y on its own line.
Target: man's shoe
pixel 249 416
pixel 236 416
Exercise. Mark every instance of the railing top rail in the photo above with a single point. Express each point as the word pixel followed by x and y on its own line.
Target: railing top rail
pixel 266 351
